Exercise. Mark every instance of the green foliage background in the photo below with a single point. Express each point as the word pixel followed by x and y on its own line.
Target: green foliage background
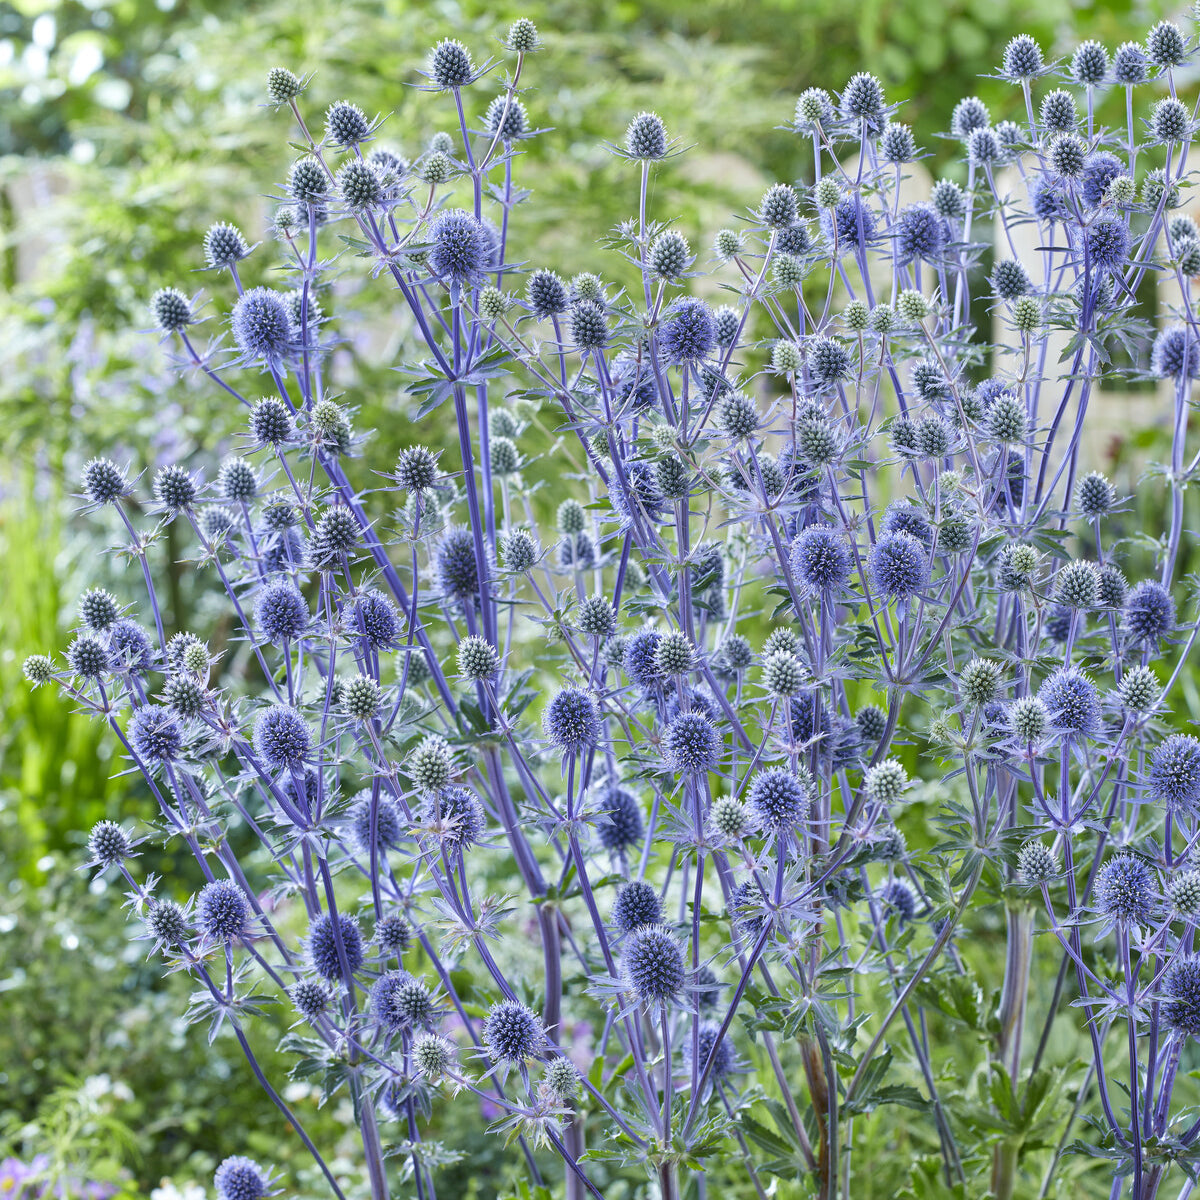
pixel 126 128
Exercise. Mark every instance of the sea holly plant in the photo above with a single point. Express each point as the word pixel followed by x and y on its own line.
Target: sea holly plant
pixel 656 809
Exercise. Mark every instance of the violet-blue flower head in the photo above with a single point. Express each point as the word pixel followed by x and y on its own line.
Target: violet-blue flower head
pixel 779 799
pixel 1176 353
pixel 849 223
pixel 1125 890
pixel 1174 775
pixel 619 824
pixel 262 325
pixel 462 248
pixel 281 737
pixel 653 964
pixel 1072 701
pixel 571 720
pixel 322 944
pixel 637 904
pixel 513 1032
pixel 1149 612
pixel 222 911
pixel 920 232
pixel 691 743
pixel 155 734
pixel 1181 996
pixel 821 558
pixel 899 565
pixel 688 332
pixel 240 1178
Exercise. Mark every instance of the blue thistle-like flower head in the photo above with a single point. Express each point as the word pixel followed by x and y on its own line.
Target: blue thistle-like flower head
pixel 240 1178
pixel 1176 353
pixel 378 619
pixel 224 245
pixel 401 1003
pixel 1022 58
pixel 849 224
pixel 862 99
pixel 821 559
pixel 948 199
pixel 322 944
pixel 167 924
pixel 281 611
pixel 311 999
pixel 898 897
pixel 620 823
pixel 155 734
pixel 457 815
pixel 462 248
pixel 282 739
pixel 450 64
pixel 1048 198
pixel 646 137
pixel 262 324
pixel 1126 891
pixel 828 361
pixel 1181 996
pixel 387 822
pixel 901 516
pixel 711 1043
pixel 899 565
pixel 346 124
pixel 1129 65
pixel 1166 45
pixel 691 743
pixel 688 333
pixel 1099 170
pixel 969 114
pixel 129 649
pixel 920 232
pixel 641 658
pixel 103 481
pixel 983 147
pixel 571 720
pixel 653 964
pixel 1106 242
pixel 1089 64
pixel 1174 775
pixel 547 294
pixel 896 145
pixel 456 565
pixel 589 326
pixel 222 911
pixel 1149 612
pixel 637 904
pixel 813 108
pixel 778 799
pixel 1072 701
pixel 513 1033
pixel 506 117
pixel 108 844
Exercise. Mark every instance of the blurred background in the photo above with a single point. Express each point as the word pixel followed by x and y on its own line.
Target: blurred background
pixel 126 128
